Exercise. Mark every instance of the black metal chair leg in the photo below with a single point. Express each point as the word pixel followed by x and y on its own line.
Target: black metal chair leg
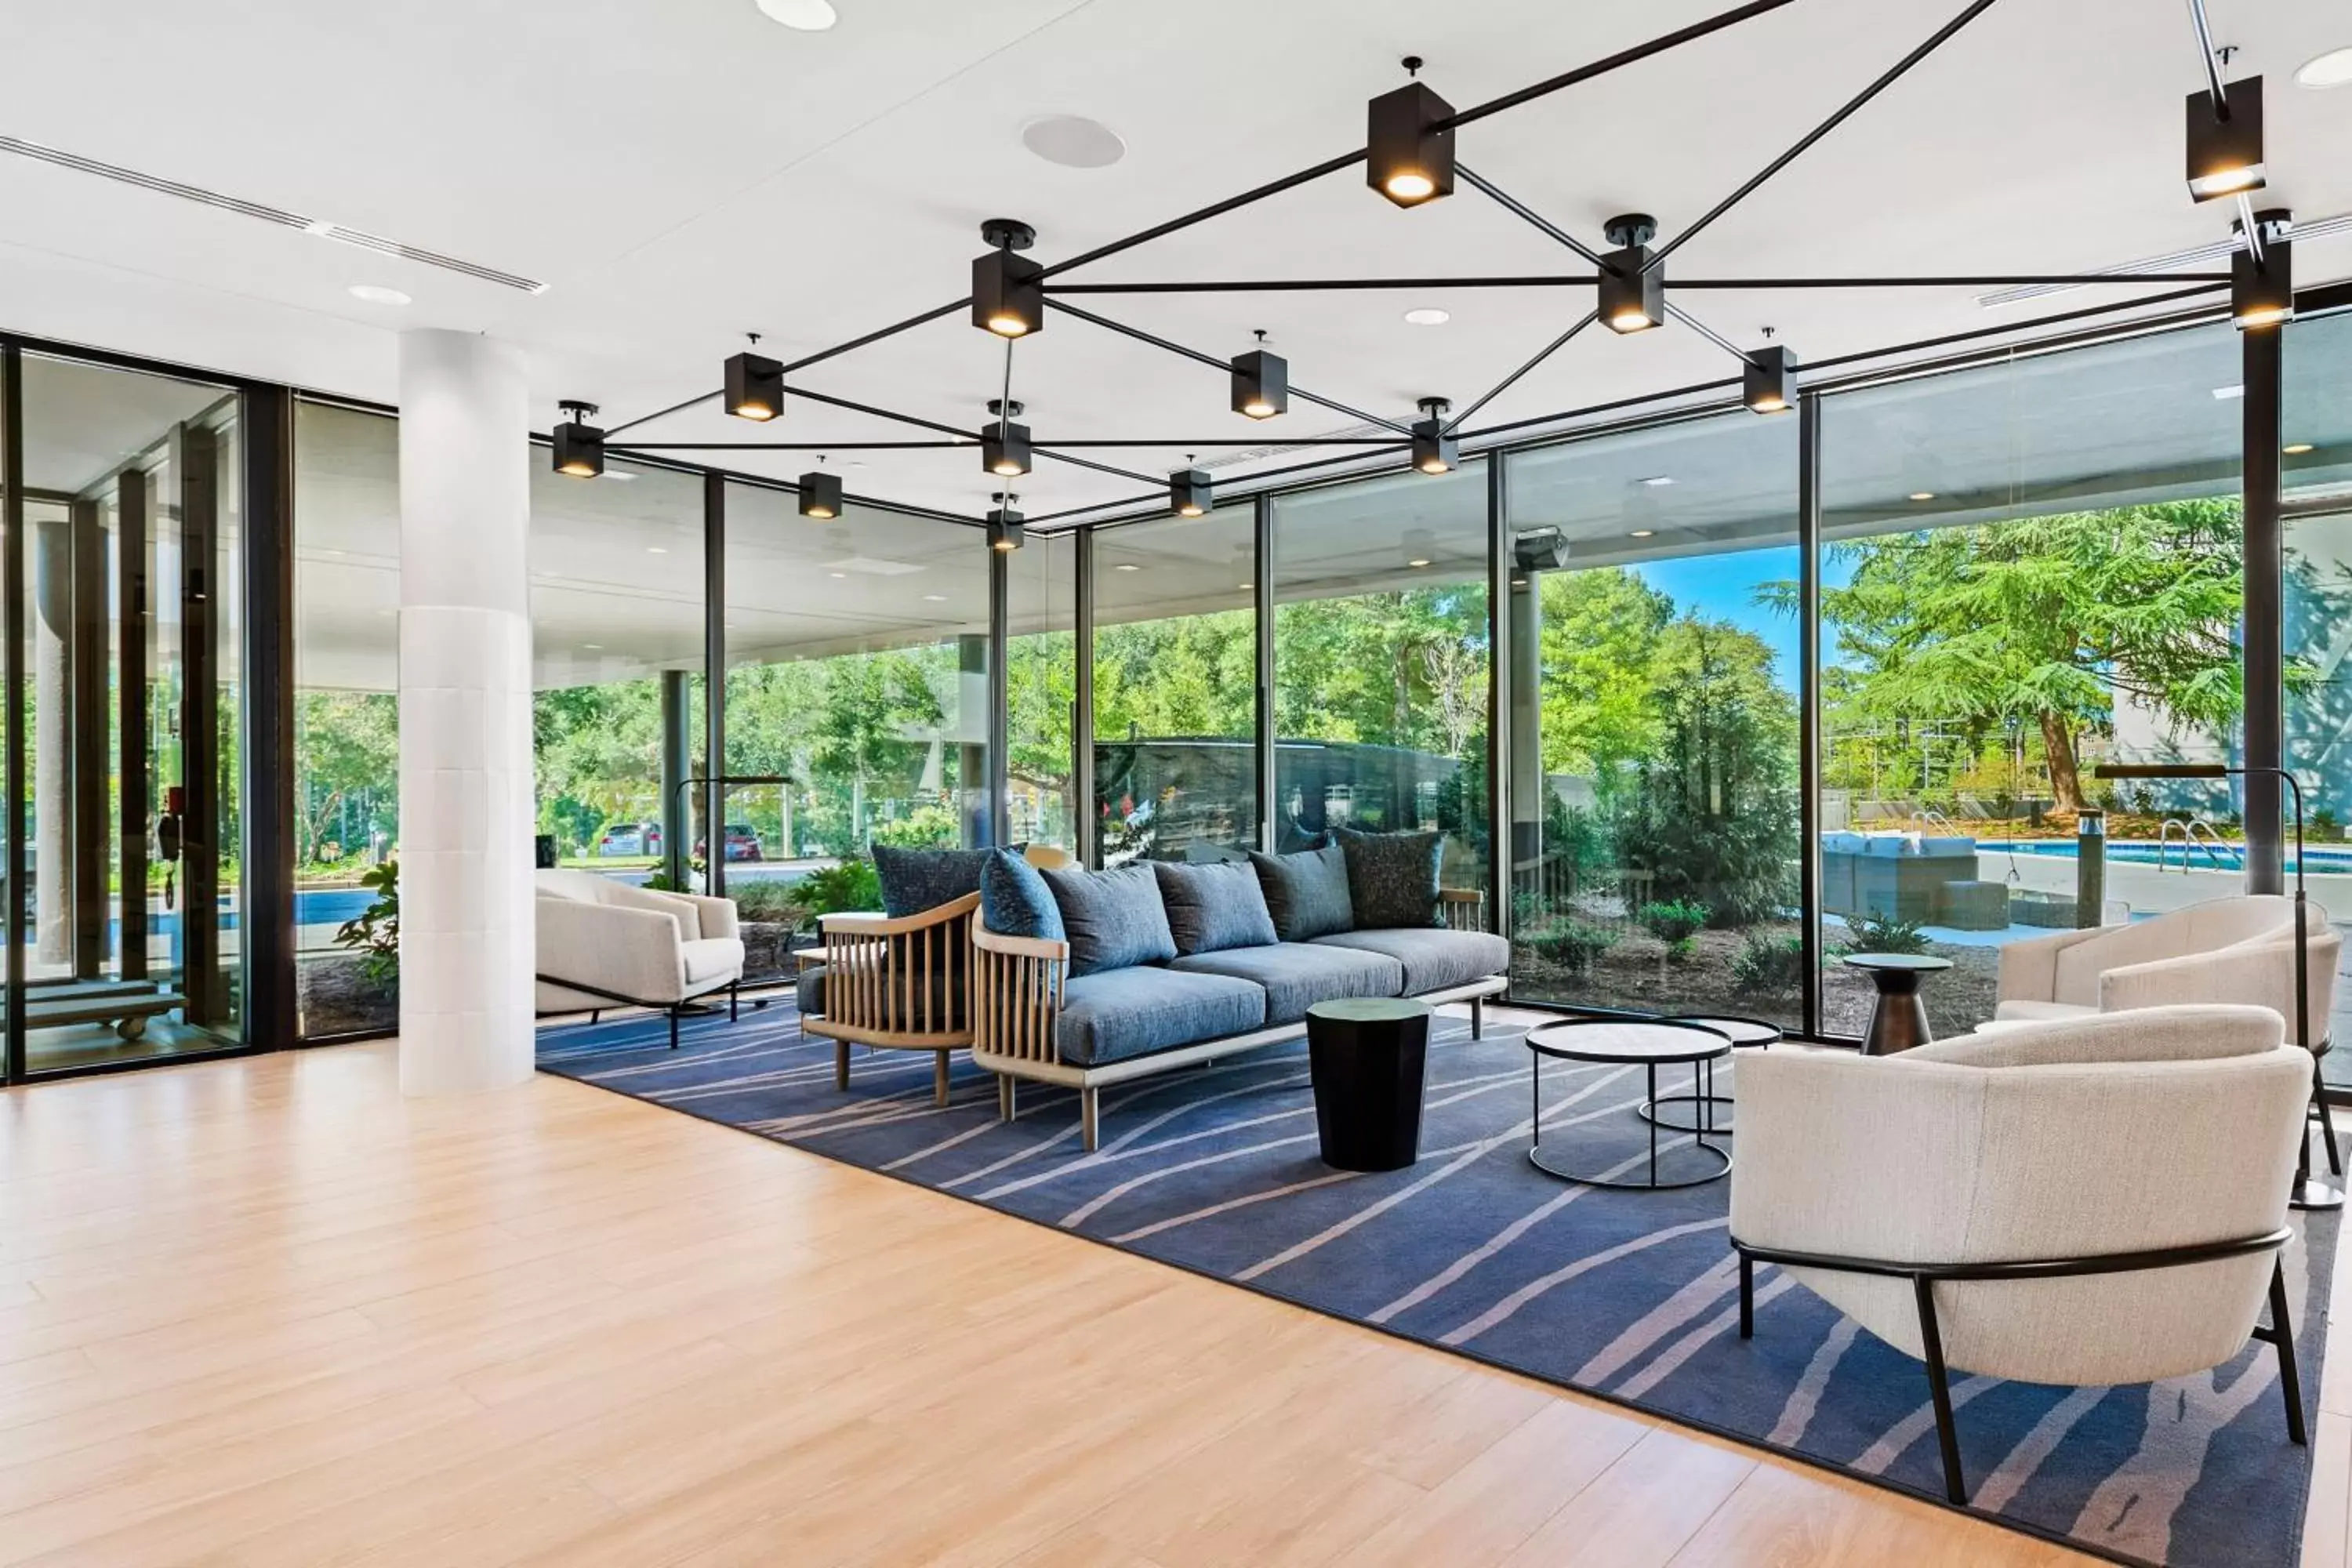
pixel 735 1002
pixel 673 1028
pixel 1477 1017
pixel 2327 1120
pixel 1747 1297
pixel 1939 1392
pixel 2281 1334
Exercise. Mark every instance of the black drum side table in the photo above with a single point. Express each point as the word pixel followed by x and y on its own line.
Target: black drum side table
pixel 1899 1020
pixel 1650 1044
pixel 1366 1056
pixel 1743 1032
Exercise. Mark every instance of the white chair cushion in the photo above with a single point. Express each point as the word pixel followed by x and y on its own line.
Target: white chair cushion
pixel 2023 1012
pixel 713 959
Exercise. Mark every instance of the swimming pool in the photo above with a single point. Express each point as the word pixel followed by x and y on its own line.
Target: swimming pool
pixel 2142 852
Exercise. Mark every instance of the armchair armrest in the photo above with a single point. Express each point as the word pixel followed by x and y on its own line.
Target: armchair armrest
pixel 610 949
pixel 1462 909
pixel 2259 974
pixel 2028 970
pixel 901 981
pixel 1017 986
pixel 716 917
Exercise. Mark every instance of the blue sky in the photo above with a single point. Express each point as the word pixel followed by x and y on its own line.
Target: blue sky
pixel 1723 588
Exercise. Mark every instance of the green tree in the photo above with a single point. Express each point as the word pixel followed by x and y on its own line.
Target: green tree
pixel 2046 621
pixel 348 746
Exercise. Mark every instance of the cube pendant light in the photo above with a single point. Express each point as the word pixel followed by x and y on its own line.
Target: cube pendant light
pixel 1768 385
pixel 1405 160
pixel 1008 290
pixel 2261 292
pixel 755 386
pixel 820 495
pixel 1190 492
pixel 1261 384
pixel 2225 142
pixel 579 447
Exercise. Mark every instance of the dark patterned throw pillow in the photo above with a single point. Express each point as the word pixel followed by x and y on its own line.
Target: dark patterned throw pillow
pixel 1392 878
pixel 914 880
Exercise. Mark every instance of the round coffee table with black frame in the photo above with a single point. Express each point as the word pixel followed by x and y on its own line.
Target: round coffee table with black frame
pixel 1650 1044
pixel 1755 1032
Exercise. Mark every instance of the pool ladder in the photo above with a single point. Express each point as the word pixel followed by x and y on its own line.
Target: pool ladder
pixel 2212 844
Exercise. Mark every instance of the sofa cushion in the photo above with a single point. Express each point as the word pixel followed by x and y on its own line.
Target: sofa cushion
pixel 1392 878
pixel 1306 892
pixel 1433 960
pixel 712 958
pixel 1122 1013
pixel 914 880
pixel 2026 1011
pixel 1213 906
pixel 1296 974
pixel 1112 919
pixel 1014 900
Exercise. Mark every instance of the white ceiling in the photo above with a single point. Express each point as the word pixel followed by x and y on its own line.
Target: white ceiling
pixel 679 173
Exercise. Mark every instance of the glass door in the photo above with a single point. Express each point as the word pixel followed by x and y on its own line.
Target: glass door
pixel 124 681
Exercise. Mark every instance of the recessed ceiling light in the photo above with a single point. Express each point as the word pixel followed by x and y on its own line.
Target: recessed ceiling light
pixel 1246 588
pixel 377 294
pixel 2298 449
pixel 617 474
pixel 594 646
pixel 1923 495
pixel 837 573
pixel 1127 566
pixel 2223 394
pixel 1073 140
pixel 1428 316
pixel 2333 69
pixel 1418 561
pixel 657 550
pixel 1645 534
pixel 801 15
pixel 1656 480
pixel 935 598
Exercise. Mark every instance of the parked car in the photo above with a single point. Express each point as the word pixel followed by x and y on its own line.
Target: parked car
pixel 742 844
pixel 630 838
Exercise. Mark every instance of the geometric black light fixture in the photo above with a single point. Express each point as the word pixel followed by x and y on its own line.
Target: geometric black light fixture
pixel 2225 142
pixel 1005 528
pixel 755 386
pixel 1768 385
pixel 579 446
pixel 1189 491
pixel 1632 292
pixel 2262 273
pixel 1435 450
pixel 1008 291
pixel 1261 383
pixel 1004 445
pixel 1405 160
pixel 820 495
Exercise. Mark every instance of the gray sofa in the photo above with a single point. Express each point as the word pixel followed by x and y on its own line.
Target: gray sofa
pixel 1034 1019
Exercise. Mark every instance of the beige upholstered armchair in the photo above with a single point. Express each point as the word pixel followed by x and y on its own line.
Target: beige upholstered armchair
pixel 2235 950
pixel 604 943
pixel 1998 1203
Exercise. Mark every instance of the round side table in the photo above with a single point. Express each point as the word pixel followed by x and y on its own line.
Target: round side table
pixel 1650 1043
pixel 1743 1032
pixel 1899 1019
pixel 1366 1056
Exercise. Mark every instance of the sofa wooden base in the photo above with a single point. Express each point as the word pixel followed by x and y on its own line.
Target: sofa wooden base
pixel 1090 1080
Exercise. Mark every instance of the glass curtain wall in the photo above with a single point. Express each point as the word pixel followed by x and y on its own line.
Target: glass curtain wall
pixel 1381 664
pixel 2027 568
pixel 857 672
pixel 2317 629
pixel 128 918
pixel 1175 719
pixel 617 601
pixel 1041 668
pixel 1655 708
pixel 346 829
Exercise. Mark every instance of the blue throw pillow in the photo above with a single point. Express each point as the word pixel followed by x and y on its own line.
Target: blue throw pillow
pixel 1114 919
pixel 1014 900
pixel 1213 907
pixel 1392 878
pixel 1306 893
pixel 914 880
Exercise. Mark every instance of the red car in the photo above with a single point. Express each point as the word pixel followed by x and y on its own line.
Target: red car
pixel 742 844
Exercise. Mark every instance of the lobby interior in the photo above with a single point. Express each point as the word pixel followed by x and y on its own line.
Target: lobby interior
pixel 525 527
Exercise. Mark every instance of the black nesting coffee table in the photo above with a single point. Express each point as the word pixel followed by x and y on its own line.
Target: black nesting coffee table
pixel 1743 1032
pixel 1650 1044
pixel 1366 1056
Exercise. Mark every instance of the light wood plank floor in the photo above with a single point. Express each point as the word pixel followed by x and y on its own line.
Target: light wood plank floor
pixel 267 1313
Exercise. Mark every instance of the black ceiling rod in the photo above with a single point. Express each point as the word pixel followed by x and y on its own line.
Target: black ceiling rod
pixel 1257 476
pixel 791 446
pixel 950 430
pixel 1675 313
pixel 1296 391
pixel 1980 281
pixel 1454 424
pixel 1260 441
pixel 1520 209
pixel 2075 315
pixel 660 414
pixel 1214 209
pixel 1975 9
pixel 1323 285
pixel 1608 63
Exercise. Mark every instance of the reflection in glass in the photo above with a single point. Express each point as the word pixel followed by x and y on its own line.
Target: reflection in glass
pixel 1040 689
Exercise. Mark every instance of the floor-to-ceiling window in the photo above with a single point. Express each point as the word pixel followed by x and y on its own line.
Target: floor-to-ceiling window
pixel 129 663
pixel 1041 690
pixel 1654 766
pixel 1381 663
pixel 1175 720
pixel 2027 568
pixel 2317 630
pixel 346 829
pixel 616 608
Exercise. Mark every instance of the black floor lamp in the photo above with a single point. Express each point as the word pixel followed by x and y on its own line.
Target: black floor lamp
pixel 2310 1192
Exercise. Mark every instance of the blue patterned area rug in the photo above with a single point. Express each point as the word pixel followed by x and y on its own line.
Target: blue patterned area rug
pixel 1628 1295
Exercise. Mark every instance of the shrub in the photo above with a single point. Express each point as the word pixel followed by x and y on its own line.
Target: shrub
pixel 829 889
pixel 1676 921
pixel 374 935
pixel 927 826
pixel 1573 945
pixel 1768 964
pixel 1873 933
pixel 768 899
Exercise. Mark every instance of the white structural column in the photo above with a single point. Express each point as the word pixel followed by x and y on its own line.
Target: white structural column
pixel 466 946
